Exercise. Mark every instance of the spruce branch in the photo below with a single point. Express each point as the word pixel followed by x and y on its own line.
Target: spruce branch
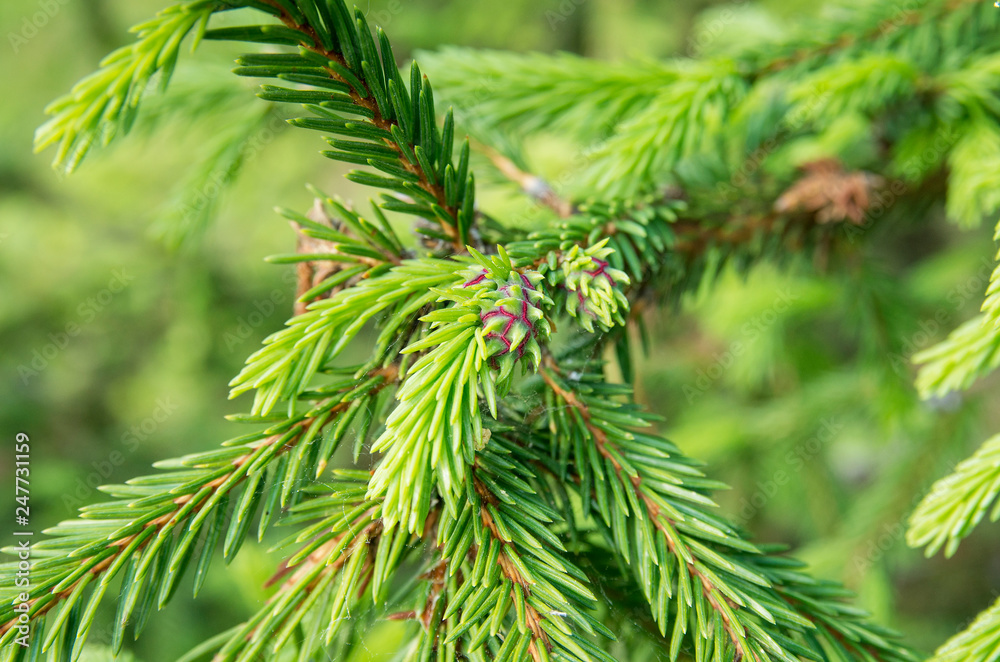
pixel 957 503
pixel 290 358
pixel 150 531
pixel 343 71
pixel 977 642
pixel 810 45
pixel 344 552
pixel 508 574
pixel 653 502
pixel 698 582
pixel 969 353
pixel 684 120
pixel 800 84
pixel 973 162
pixel 991 306
pixel 499 579
pixel 395 130
pixel 662 249
pixel 826 605
pixel 434 432
pixel 103 105
pixel 534 92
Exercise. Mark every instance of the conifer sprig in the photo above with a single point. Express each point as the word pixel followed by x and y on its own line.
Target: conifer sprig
pixel 103 105
pixel 768 94
pixel 341 547
pixel 149 533
pixel 717 593
pixel 977 642
pixel 509 569
pixel 969 353
pixel 393 123
pixel 433 434
pixel 958 502
pixel 499 494
pixel 533 91
pixel 657 531
pixel 290 358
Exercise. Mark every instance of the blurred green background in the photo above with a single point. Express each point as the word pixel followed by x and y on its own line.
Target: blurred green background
pixel 794 386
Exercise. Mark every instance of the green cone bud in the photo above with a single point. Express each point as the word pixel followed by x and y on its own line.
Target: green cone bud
pixel 593 286
pixel 513 321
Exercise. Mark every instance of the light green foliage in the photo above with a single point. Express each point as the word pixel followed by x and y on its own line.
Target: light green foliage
pixel 978 642
pixel 868 85
pixel 534 92
pixel 887 60
pixel 991 306
pixel 970 352
pixel 973 88
pixel 593 287
pixel 436 429
pixel 958 502
pixel 494 501
pixel 103 105
pixel 974 162
pixel 290 358
pixel 684 120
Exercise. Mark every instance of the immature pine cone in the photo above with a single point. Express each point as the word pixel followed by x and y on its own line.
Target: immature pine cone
pixel 592 284
pixel 513 322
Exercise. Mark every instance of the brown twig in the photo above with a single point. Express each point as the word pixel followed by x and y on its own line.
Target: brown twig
pixel 311 273
pixel 532 185
pixel 532 617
